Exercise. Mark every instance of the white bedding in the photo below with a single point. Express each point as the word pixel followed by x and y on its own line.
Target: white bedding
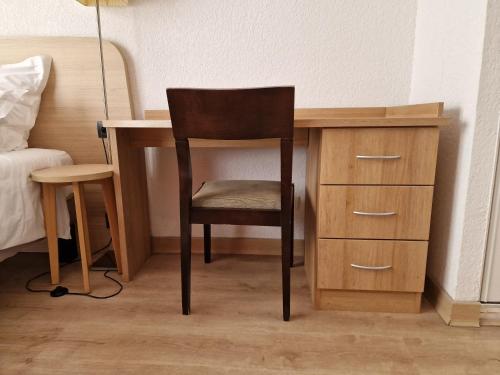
pixel 21 215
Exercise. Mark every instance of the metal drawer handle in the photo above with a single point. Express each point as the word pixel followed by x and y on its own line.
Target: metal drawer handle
pixel 379 157
pixel 362 213
pixel 374 268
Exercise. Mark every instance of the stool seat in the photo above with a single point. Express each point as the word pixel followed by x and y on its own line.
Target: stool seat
pixel 73 173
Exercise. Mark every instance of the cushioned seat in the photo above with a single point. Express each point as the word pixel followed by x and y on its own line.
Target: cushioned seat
pixel 242 194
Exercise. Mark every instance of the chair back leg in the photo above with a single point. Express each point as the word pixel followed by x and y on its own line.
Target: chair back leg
pixel 292 234
pixel 186 266
pixel 207 242
pixel 286 246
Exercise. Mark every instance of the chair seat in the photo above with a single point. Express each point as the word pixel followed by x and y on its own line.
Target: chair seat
pixel 73 173
pixel 239 194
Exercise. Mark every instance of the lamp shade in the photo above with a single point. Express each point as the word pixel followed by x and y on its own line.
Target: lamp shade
pixel 105 3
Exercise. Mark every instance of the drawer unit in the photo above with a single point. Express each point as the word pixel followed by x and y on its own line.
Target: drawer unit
pixel 381 212
pixel 379 156
pixel 397 266
pixel 368 211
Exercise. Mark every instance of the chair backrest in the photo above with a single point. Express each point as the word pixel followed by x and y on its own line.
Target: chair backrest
pixel 233 114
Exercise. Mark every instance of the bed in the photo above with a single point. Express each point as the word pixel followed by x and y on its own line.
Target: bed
pixel 20 205
pixel 64 132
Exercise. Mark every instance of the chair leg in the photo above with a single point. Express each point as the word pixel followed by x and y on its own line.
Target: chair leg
pixel 186 266
pixel 108 192
pixel 292 235
pixel 207 242
pixel 286 245
pixel 50 216
pixel 83 233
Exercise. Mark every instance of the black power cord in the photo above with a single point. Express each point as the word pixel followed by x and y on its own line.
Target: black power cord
pixel 60 291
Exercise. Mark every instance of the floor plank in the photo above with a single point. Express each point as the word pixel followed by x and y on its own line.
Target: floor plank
pixel 235 327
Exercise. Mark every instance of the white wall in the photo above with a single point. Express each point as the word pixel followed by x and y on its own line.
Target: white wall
pixel 479 194
pixel 336 53
pixel 447 66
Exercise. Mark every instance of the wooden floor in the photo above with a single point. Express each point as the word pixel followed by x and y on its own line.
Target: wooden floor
pixel 235 327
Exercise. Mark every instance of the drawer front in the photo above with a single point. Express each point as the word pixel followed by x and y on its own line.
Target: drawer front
pixel 379 156
pixel 375 212
pixel 372 265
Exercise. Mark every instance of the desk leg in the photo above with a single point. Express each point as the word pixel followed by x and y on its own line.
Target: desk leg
pixel 131 202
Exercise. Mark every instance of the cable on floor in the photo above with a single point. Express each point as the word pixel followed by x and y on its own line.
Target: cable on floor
pixel 120 286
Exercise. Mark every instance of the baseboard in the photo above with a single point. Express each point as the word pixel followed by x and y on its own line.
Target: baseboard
pixel 490 315
pixel 226 245
pixel 454 313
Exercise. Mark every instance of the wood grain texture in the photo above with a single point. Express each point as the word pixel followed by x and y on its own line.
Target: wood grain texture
pixel 73 173
pixel 158 133
pixel 311 211
pixel 72 103
pixel 108 192
pixel 369 301
pixel 416 110
pixel 234 329
pixel 407 260
pixel 429 114
pixel 412 207
pixel 131 202
pixel 489 315
pixel 416 147
pixel 50 220
pixel 83 234
pixel 234 114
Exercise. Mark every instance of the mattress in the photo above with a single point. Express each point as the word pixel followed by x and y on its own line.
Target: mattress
pixel 21 215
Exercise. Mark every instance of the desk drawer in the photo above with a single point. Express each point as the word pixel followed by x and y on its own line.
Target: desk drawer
pixel 379 156
pixel 375 212
pixel 372 265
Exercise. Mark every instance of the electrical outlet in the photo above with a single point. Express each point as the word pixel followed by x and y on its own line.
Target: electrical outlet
pixel 101 130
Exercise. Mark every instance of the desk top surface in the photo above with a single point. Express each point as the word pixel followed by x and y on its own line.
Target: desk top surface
pixel 411 115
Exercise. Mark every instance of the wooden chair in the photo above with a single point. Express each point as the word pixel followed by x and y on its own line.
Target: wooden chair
pixel 77 175
pixel 240 114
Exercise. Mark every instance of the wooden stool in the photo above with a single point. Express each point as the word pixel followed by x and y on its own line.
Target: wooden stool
pixel 77 175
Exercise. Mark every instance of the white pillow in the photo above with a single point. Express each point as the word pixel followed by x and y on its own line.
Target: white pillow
pixel 21 87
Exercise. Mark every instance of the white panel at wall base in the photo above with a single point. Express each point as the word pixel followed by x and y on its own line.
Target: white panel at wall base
pixel 447 66
pixel 490 291
pixel 336 53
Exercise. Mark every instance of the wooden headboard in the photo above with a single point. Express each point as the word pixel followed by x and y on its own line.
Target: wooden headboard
pixel 73 102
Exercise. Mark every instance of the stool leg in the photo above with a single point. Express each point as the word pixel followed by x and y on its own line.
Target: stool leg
pixel 83 233
pixel 108 192
pixel 49 213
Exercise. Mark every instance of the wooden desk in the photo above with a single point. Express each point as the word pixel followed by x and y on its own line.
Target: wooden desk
pixel 335 178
